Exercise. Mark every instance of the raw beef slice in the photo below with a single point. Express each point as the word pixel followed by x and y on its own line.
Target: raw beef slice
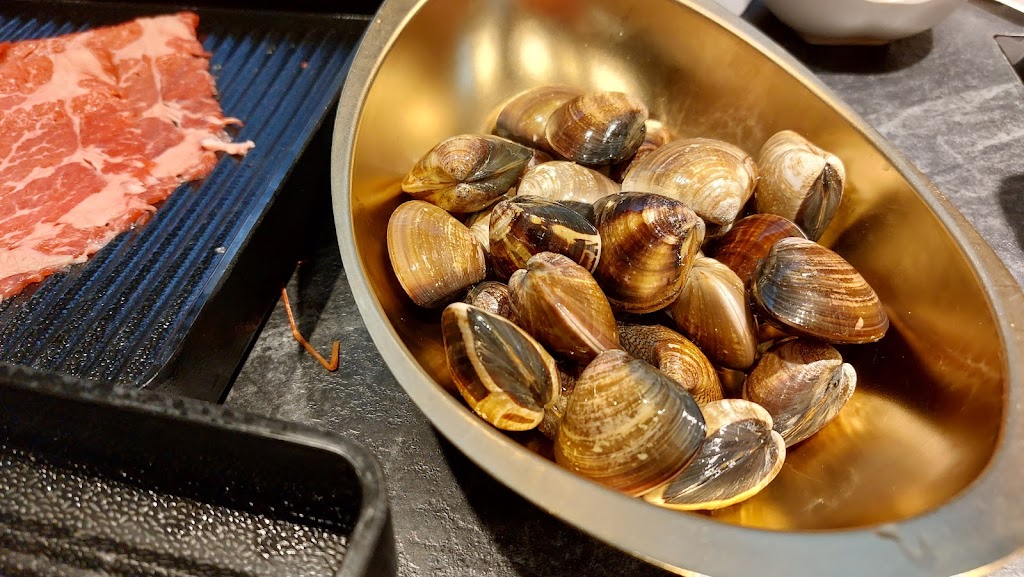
pixel 97 128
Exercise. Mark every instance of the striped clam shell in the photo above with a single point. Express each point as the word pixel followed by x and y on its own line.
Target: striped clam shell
pixel 712 310
pixel 479 224
pixel 492 296
pixel 800 182
pixel 740 456
pixel 803 384
pixel 466 173
pixel 750 239
pixel 808 290
pixel 522 226
pixel 558 302
pixel 648 244
pixel 655 134
pixel 434 256
pixel 712 177
pixel 627 425
pixel 674 355
pixel 598 128
pixel 525 117
pixel 505 376
pixel 566 181
pixel 568 375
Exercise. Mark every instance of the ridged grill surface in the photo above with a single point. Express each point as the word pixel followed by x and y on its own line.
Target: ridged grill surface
pixel 120 316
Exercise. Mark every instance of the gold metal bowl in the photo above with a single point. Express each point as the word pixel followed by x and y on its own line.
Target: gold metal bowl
pixel 920 474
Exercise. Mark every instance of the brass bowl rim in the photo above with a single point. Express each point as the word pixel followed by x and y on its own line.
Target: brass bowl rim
pixel 981 525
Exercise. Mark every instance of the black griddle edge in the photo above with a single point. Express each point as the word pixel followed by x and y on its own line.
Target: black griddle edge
pixel 204 359
pixel 209 358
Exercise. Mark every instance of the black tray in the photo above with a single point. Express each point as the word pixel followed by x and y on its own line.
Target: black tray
pixel 177 303
pixel 96 480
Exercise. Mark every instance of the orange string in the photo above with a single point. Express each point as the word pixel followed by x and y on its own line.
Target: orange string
pixel 332 365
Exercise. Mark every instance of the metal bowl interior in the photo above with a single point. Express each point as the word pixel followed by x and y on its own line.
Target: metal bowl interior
pixel 923 457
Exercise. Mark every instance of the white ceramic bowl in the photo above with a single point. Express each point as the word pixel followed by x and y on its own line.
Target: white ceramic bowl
pixel 860 21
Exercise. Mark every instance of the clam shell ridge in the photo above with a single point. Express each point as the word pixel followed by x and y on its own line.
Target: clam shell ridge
pixel 468 172
pixel 553 413
pixel 712 177
pixel 525 117
pixel 566 181
pixel 655 134
pixel 712 310
pixel 648 244
pixel 674 355
pixel 732 382
pixel 479 224
pixel 749 241
pixel 560 304
pixel 799 181
pixel 538 157
pixel 597 128
pixel 740 456
pixel 522 226
pixel 434 256
pixel 504 375
pixel 627 425
pixel 808 290
pixel 491 296
pixel 803 384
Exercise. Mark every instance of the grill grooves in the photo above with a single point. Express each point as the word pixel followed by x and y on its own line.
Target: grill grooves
pixel 121 316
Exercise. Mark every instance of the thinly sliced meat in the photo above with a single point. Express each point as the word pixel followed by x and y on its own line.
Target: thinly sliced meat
pixel 96 129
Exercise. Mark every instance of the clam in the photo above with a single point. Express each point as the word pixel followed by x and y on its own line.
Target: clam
pixel 766 333
pixel 468 172
pixel 538 157
pixel 627 425
pixel 712 177
pixel 597 128
pixel 803 384
pixel 434 256
pixel 561 305
pixel 648 244
pixel 675 356
pixel 492 297
pixel 732 382
pixel 749 241
pixel 712 310
pixel 553 413
pixel 479 224
pixel 808 290
pixel 655 134
pixel 525 117
pixel 566 181
pixel 504 375
pixel 713 232
pixel 522 226
pixel 739 457
pixel 800 182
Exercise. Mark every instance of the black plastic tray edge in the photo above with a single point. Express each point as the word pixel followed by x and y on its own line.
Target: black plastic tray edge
pixel 371 548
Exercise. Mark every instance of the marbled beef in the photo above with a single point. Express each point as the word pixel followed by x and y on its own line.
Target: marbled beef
pixel 96 129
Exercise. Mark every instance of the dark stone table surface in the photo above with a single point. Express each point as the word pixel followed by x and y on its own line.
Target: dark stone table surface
pixel 947 98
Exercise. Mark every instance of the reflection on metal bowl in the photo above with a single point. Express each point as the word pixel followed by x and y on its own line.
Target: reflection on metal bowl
pixel 918 476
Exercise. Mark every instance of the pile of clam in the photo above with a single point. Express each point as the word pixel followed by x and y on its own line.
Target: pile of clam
pixel 614 297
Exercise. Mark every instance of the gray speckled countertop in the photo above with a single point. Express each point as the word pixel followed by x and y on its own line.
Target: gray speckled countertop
pixel 947 98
